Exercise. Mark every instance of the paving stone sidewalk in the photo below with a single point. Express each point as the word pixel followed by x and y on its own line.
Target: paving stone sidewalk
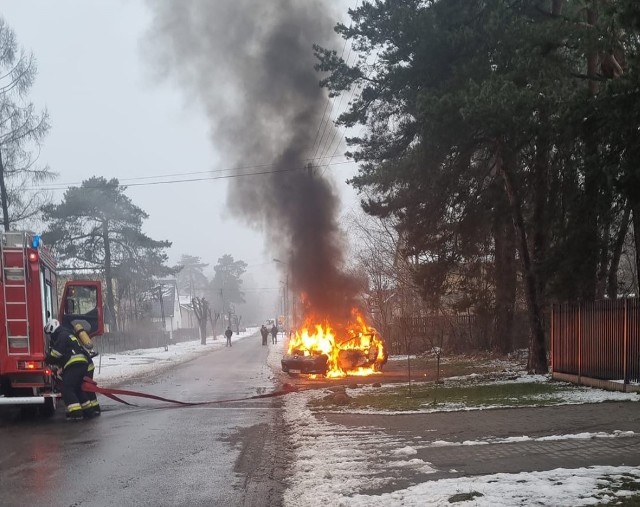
pixel 513 457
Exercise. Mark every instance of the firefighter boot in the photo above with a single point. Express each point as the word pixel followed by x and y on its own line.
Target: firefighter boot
pixel 87 410
pixel 95 407
pixel 74 412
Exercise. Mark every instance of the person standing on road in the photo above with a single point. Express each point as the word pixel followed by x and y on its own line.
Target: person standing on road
pixel 228 333
pixel 274 334
pixel 265 333
pixel 67 352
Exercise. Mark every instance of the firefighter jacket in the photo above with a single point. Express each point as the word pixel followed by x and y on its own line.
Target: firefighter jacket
pixel 66 349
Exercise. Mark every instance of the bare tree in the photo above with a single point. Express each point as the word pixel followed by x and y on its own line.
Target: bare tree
pixel 22 130
pixel 201 309
pixel 390 289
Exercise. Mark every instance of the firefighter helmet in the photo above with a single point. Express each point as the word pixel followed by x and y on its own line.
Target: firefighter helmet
pixel 51 326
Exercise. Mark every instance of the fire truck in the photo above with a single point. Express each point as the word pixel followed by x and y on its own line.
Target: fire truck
pixel 28 298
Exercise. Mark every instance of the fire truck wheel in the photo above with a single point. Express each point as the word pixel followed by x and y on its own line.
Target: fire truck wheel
pixel 49 407
pixel 28 412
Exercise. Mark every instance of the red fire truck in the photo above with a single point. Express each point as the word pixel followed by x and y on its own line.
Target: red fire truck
pixel 28 298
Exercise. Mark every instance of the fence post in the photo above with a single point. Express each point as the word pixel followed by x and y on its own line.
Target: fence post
pixel 553 307
pixel 579 343
pixel 626 344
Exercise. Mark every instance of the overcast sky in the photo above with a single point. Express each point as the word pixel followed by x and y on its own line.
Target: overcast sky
pixel 112 116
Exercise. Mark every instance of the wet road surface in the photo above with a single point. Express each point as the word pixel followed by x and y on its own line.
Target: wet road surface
pixel 157 454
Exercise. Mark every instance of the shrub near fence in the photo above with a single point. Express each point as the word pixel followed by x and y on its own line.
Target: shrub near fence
pixel 598 340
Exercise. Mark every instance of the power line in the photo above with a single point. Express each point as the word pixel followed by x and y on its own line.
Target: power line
pixel 327 145
pixel 314 148
pixel 189 180
pixel 169 175
pixel 344 130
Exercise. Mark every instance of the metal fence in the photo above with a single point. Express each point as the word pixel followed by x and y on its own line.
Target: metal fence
pixel 111 343
pixel 599 340
pixel 456 333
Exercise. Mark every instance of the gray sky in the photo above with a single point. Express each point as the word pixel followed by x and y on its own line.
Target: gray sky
pixel 112 116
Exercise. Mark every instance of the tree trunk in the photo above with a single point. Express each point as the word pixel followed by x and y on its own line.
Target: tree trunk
pixel 3 197
pixel 203 331
pixel 589 240
pixel 603 261
pixel 540 193
pixel 201 310
pixel 537 346
pixel 505 277
pixel 108 273
pixel 636 238
pixel 612 280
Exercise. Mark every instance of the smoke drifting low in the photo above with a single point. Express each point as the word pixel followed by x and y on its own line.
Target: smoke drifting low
pixel 250 63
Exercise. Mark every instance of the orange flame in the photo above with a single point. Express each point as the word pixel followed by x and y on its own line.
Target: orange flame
pixel 356 351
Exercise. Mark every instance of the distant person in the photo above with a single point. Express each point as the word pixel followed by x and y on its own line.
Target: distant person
pixel 274 334
pixel 265 333
pixel 228 333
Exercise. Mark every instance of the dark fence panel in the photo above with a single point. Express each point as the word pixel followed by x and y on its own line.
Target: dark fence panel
pixel 128 340
pixel 600 340
pixel 456 333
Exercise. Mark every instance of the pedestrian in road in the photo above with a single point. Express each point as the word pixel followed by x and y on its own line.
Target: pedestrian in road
pixel 228 333
pixel 265 333
pixel 274 334
pixel 67 353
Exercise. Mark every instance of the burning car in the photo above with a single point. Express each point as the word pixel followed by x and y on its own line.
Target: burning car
pixel 357 350
pixel 298 362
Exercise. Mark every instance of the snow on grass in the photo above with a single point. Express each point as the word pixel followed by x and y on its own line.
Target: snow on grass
pixel 557 488
pixel 525 438
pixel 569 395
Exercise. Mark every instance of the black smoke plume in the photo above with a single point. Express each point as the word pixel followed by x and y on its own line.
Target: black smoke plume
pixel 251 64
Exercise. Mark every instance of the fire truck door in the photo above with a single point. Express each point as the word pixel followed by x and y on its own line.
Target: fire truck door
pixel 82 303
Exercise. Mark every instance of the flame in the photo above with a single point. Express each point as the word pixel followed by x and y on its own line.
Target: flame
pixel 357 350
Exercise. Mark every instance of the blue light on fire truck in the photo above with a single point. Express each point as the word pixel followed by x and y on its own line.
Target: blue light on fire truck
pixel 35 242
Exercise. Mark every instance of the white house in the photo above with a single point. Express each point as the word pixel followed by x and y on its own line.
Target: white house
pixel 165 305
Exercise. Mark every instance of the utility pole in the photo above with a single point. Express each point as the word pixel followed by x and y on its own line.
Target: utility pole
pixel 222 311
pixel 287 323
pixel 164 324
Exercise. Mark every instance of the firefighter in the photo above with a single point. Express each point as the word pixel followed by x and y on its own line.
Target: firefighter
pixel 67 353
pixel 87 345
pixel 274 334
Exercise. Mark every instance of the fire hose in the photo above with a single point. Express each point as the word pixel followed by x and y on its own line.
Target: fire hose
pixel 90 385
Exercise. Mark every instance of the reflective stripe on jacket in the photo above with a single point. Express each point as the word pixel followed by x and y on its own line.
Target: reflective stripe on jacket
pixel 66 350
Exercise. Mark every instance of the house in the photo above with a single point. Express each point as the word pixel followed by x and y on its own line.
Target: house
pixel 165 306
pixel 189 319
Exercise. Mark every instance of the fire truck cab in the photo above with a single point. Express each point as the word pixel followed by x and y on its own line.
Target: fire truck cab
pixel 28 298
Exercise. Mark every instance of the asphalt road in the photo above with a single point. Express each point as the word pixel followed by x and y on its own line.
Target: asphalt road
pixel 156 454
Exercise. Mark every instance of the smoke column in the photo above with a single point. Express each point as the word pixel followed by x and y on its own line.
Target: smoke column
pixel 250 62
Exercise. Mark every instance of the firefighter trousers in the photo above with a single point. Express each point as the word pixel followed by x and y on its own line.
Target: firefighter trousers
pixel 75 399
pixel 93 398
